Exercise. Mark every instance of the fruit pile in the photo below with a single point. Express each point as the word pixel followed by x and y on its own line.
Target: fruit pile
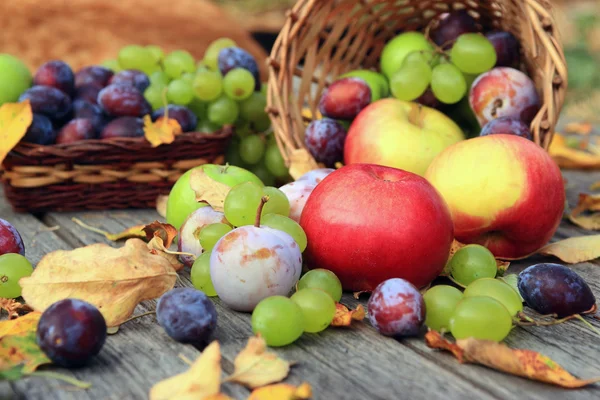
pixel 455 78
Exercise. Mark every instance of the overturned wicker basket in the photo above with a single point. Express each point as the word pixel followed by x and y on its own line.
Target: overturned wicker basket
pixel 322 39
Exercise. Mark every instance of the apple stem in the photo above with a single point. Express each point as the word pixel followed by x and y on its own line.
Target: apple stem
pixel 414 116
pixel 263 200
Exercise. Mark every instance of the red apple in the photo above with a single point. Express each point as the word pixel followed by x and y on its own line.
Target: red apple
pixel 504 192
pixel 368 223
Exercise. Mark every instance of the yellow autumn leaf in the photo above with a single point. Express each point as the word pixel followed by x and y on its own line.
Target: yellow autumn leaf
pixel 162 131
pixel 114 280
pixel 15 118
pixel 567 157
pixel 574 250
pixel 344 317
pixel 254 366
pixel 20 325
pixel 208 190
pixel 201 380
pixel 579 128
pixel 587 202
pixel 18 346
pixel 282 391
pixel 595 186
pixel 498 356
pixel 301 162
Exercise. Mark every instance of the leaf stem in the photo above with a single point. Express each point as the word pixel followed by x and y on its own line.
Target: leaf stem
pixel 89 227
pixel 55 375
pixel 138 316
pixel 592 327
pixel 263 200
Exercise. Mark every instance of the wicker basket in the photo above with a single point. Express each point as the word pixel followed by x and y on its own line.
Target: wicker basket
pixel 322 39
pixel 104 174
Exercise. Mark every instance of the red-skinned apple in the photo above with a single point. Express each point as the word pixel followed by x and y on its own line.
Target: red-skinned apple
pixel 368 223
pixel 504 192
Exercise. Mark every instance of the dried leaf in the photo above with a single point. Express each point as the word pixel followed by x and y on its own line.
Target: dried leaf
pixel 255 367
pixel 282 391
pixel 587 202
pixel 201 380
pixel 166 232
pixel 579 128
pixel 162 131
pixel 19 351
pixel 12 307
pixel 15 118
pixel 574 250
pixel 21 325
pixel 301 162
pixel 595 186
pixel 567 157
pixel 498 356
pixel 344 317
pixel 134 231
pixel 161 205
pixel 208 190
pixel 114 280
pixel 218 396
pixel 589 222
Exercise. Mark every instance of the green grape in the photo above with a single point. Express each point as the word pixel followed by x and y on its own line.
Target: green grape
pixel 440 302
pixel 412 79
pixel 279 320
pixel 198 107
pixel 278 202
pixel 180 92
pixel 208 85
pixel 473 53
pixel 13 267
pixel 286 225
pixel 274 161
pixel 242 129
pixel 159 78
pixel 472 262
pixel 241 203
pixel 262 123
pixel 157 52
pixel 252 149
pixel 322 279
pixel 253 108
pixel 318 308
pixel 206 126
pixel 154 95
pixel 211 55
pixel 15 78
pixel 188 77
pixel 138 57
pixel 113 65
pixel 232 154
pixel 239 84
pixel 263 173
pixel 448 83
pixel 481 318
pixel 223 111
pixel 200 275
pixel 498 290
pixel 177 62
pixel 210 234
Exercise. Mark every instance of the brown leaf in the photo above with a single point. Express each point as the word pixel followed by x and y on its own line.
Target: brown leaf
pixel 525 363
pixel 208 190
pixel 15 118
pixel 134 231
pixel 574 250
pixel 344 317
pixel 114 280
pixel 579 128
pixel 13 307
pixel 161 205
pixel 301 162
pixel 587 202
pixel 201 380
pixel 254 366
pixel 162 131
pixel 282 391
pixel 589 222
pixel 567 157
pixel 166 232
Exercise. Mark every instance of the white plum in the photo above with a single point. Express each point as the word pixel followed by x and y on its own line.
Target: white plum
pixel 316 175
pixel 188 240
pixel 249 264
pixel 297 193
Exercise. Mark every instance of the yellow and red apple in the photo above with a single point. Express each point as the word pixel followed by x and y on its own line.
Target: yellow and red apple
pixel 399 134
pixel 504 192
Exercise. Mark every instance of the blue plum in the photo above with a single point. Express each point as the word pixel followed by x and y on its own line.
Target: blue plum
pixel 47 100
pixel 123 127
pixel 507 125
pixel 91 111
pixel 93 75
pixel 324 139
pixel 234 57
pixel 119 100
pixel 88 93
pixel 186 118
pixel 132 77
pixel 40 131
pixel 76 130
pixel 56 74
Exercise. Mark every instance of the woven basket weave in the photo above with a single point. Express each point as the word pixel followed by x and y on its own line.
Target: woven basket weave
pixel 322 39
pixel 104 174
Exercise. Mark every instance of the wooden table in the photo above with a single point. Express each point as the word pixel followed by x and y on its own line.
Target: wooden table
pixel 354 363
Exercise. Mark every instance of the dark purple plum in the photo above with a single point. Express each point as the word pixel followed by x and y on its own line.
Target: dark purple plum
pixel 76 130
pixel 345 98
pixel 507 48
pixel 234 57
pixel 325 138
pixel 47 100
pixel 88 93
pixel 93 75
pixel 10 239
pixel 133 77
pixel 71 332
pixel 449 26
pixel 40 131
pixel 123 127
pixel 91 111
pixel 555 289
pixel 186 118
pixel 508 125
pixel 56 74
pixel 123 101
pixel 187 315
